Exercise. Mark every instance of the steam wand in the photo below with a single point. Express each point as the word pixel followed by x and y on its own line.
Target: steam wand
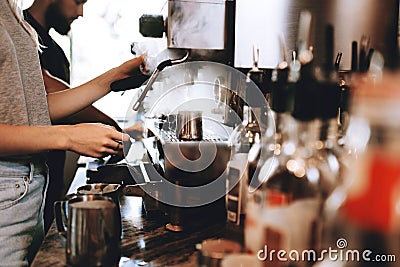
pixel 160 67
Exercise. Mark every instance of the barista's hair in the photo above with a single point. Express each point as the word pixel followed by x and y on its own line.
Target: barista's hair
pixel 17 11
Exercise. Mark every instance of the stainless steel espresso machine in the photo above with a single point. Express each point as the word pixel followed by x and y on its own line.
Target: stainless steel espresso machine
pixel 183 107
pixel 187 141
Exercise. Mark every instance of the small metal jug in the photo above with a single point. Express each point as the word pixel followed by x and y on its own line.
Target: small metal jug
pixel 91 224
pixel 189 126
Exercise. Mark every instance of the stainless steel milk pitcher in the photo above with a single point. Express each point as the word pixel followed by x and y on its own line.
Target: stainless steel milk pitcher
pixel 91 224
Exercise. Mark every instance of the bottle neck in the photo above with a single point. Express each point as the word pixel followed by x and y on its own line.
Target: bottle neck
pixel 251 120
pixel 285 134
pixel 328 134
pixel 247 133
pixel 307 136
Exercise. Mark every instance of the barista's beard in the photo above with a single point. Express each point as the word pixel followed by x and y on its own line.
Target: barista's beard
pixel 56 20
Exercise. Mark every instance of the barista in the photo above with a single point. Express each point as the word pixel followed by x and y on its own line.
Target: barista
pixel 26 133
pixel 59 15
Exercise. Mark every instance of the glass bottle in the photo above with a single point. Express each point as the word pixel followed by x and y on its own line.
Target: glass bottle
pixel 279 141
pixel 329 151
pixel 243 137
pixel 282 104
pixel 284 213
pixel 365 214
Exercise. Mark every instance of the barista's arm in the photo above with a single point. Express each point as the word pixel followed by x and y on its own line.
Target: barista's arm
pixel 67 102
pixel 90 139
pixel 92 114
pixel 53 84
pixel 89 114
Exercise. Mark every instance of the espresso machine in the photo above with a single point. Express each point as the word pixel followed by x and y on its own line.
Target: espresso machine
pixel 183 109
pixel 187 141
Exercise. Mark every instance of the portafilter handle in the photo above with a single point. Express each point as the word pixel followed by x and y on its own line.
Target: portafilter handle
pixel 160 67
pixel 132 82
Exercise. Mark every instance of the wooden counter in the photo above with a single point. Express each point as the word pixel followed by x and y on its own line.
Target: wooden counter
pixel 145 240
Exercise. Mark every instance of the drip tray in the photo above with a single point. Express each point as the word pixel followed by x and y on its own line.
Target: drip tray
pixel 123 174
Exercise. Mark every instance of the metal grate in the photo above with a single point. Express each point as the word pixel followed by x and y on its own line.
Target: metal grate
pixel 169 136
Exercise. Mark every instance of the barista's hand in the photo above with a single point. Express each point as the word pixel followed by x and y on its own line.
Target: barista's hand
pixel 129 75
pixel 130 67
pixel 95 139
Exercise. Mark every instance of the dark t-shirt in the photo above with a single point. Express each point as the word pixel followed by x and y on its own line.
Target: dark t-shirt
pixel 52 57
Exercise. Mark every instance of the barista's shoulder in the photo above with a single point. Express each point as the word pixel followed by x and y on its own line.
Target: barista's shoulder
pixel 6 43
pixel 4 35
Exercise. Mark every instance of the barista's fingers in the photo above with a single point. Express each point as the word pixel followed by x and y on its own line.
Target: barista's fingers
pixel 118 146
pixel 128 67
pixel 126 137
pixel 93 139
pixel 119 136
pixel 112 128
pixel 108 151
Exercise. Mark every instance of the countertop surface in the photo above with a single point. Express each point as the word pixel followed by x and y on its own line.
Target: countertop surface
pixel 145 241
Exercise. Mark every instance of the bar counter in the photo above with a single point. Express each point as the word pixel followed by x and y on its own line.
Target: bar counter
pixel 145 241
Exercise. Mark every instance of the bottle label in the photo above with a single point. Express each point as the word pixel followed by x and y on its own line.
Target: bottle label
pixel 238 189
pixel 273 220
pixel 277 198
pixel 374 194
